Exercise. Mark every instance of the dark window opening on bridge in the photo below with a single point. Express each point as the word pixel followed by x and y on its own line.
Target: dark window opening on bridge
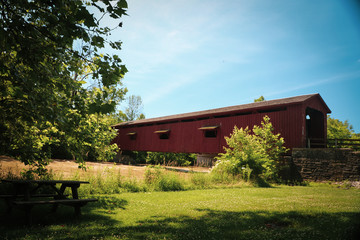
pixel 272 110
pixel 210 131
pixel 132 135
pixel 242 113
pixel 188 120
pixel 163 134
pixel 223 116
pixel 203 118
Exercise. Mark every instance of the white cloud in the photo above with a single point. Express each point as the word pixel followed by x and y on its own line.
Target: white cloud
pixel 317 82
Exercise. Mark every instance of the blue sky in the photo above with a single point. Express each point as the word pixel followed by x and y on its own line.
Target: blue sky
pixel 192 55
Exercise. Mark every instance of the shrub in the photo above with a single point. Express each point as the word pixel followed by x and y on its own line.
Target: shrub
pixel 172 159
pixel 152 175
pixel 156 178
pixel 251 152
pixel 170 182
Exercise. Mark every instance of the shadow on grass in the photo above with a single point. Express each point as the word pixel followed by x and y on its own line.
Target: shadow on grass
pixel 249 225
pixel 210 224
pixel 61 224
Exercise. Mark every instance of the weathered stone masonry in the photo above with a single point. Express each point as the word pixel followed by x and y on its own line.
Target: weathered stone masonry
pixel 327 164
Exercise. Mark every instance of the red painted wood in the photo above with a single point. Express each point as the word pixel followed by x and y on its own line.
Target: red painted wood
pixel 290 122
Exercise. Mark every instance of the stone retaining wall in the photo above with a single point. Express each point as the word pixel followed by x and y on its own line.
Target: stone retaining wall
pixel 327 164
pixel 205 160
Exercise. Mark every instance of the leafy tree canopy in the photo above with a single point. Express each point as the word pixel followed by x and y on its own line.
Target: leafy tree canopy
pixel 337 129
pixel 133 110
pixel 260 99
pixel 43 98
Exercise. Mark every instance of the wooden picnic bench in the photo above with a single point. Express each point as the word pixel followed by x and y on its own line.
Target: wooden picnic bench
pixel 25 195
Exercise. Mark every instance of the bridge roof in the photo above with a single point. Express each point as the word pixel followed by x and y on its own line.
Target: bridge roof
pixel 227 110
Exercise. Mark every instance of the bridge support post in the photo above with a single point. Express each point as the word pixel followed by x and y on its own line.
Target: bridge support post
pixel 205 160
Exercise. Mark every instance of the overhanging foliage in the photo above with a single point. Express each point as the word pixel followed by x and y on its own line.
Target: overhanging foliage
pixel 43 98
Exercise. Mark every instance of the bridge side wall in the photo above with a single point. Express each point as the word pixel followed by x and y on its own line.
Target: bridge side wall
pixel 327 164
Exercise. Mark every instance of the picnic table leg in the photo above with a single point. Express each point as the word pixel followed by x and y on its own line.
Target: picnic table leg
pixel 62 189
pixel 55 207
pixel 74 191
pixel 9 205
pixel 28 217
pixel 77 210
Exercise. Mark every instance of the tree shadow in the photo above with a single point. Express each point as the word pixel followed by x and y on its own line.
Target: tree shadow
pixel 63 222
pixel 250 225
pixel 208 224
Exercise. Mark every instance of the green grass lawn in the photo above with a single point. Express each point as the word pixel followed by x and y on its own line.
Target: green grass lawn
pixel 315 212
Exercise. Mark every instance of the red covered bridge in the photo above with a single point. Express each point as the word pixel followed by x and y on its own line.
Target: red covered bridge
pixel 295 118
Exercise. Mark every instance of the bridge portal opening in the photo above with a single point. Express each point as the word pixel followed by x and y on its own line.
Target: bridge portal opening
pixel 315 129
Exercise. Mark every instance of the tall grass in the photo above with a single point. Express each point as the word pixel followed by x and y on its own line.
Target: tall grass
pixel 110 181
pixel 160 180
pixel 156 178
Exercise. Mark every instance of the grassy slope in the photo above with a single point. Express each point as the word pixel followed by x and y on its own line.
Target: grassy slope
pixel 239 213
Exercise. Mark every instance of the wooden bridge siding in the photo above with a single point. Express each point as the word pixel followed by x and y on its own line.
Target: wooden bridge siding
pixel 186 136
pixel 283 123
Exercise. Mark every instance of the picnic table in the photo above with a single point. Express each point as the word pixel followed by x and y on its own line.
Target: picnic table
pixel 27 193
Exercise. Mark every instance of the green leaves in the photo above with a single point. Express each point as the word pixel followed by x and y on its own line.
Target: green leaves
pixel 97 41
pixel 122 4
pixel 176 159
pixel 43 75
pixel 253 151
pixel 91 138
pixel 84 16
pixel 338 129
pixel 116 45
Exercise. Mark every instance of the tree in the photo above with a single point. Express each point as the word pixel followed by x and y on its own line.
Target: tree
pixel 43 99
pixel 255 151
pixel 133 110
pixel 260 99
pixel 337 129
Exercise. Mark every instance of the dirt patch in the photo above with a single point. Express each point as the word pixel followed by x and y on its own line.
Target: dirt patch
pixel 68 169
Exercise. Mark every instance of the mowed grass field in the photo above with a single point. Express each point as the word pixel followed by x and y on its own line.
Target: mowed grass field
pixel 283 212
pixel 235 211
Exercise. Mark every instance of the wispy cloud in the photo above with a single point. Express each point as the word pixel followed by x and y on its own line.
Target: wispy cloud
pixel 180 45
pixel 174 44
pixel 317 82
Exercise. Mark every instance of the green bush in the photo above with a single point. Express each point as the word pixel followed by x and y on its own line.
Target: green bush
pixel 170 159
pixel 152 174
pixel 201 180
pixel 170 182
pixel 156 178
pixel 253 152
